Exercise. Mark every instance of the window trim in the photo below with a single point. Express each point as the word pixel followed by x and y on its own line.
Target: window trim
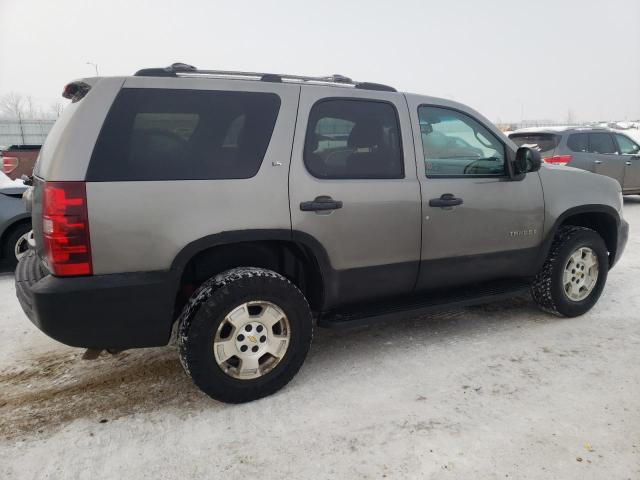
pixel 480 175
pixel 403 174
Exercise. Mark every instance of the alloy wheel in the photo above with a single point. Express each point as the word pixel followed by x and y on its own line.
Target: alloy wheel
pixel 252 340
pixel 580 274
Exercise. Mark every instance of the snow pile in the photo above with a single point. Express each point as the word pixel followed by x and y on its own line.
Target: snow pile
pixel 7 182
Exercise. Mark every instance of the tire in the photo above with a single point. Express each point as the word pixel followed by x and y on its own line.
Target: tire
pixel 16 234
pixel 548 289
pixel 207 314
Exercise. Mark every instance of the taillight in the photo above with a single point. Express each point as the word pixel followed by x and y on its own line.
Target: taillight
pixel 65 228
pixel 558 159
pixel 9 164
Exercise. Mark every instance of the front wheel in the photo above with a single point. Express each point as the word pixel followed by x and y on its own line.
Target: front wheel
pixel 244 334
pixel 574 273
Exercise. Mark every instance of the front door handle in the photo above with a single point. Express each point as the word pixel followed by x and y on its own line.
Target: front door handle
pixel 446 200
pixel 321 203
pixel 598 162
pixel 627 163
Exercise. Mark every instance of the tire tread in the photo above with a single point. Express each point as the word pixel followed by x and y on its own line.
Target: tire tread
pixel 218 289
pixel 541 287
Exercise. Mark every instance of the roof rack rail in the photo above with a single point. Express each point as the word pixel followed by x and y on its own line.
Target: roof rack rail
pixel 184 70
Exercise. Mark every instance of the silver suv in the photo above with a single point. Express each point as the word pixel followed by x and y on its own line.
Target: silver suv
pixel 247 207
pixel 598 150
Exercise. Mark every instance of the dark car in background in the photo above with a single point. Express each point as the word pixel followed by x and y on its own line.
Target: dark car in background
pixel 15 225
pixel 599 150
pixel 18 160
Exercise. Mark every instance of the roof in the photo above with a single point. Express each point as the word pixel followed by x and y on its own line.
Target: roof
pixel 184 70
pixel 560 129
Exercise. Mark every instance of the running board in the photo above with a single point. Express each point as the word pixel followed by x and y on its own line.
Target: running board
pixel 428 303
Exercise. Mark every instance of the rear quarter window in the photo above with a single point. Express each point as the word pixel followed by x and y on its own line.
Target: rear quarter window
pixel 175 134
pixel 545 141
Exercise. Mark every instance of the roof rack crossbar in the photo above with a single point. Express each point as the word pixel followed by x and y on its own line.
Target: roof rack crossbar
pixel 184 70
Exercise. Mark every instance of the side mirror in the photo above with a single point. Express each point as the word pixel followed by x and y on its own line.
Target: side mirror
pixel 527 160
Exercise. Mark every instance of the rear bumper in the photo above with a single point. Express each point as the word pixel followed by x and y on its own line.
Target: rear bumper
pixel 102 311
pixel 623 236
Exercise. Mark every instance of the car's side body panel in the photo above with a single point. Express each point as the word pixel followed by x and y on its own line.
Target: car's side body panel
pixel 142 225
pixel 493 234
pixel 596 195
pixel 66 153
pixel 373 241
pixel 566 188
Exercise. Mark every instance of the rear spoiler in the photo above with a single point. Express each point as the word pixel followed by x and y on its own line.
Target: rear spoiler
pixel 75 91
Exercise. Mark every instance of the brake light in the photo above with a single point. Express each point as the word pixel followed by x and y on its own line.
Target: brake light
pixel 558 159
pixel 65 228
pixel 9 164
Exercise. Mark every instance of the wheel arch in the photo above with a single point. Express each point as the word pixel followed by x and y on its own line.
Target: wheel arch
pixel 603 219
pixel 295 255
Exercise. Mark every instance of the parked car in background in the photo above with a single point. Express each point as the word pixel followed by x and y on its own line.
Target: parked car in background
pixel 15 222
pixel 598 150
pixel 18 160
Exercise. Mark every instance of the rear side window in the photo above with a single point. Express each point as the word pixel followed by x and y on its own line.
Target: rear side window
pixel 578 142
pixel 162 134
pixel 544 141
pixel 353 139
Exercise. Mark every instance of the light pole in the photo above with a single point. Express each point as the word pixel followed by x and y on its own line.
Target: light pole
pixel 95 65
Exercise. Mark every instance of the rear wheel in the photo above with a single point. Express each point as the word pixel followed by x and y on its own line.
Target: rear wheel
pixel 16 244
pixel 574 274
pixel 244 334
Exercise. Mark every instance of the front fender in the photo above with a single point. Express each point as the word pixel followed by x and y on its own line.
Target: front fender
pixel 568 189
pixel 594 200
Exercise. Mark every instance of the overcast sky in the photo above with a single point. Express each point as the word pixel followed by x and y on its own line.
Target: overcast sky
pixel 506 58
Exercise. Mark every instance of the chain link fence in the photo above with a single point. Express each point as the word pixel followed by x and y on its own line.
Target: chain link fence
pixel 24 132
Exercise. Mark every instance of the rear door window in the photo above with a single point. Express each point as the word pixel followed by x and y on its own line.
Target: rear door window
pixel 578 142
pixel 601 143
pixel 349 138
pixel 162 134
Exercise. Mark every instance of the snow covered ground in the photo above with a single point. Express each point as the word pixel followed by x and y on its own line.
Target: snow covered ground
pixel 493 392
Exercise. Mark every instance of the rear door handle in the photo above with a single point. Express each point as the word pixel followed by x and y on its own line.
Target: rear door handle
pixel 627 163
pixel 598 162
pixel 446 200
pixel 321 203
